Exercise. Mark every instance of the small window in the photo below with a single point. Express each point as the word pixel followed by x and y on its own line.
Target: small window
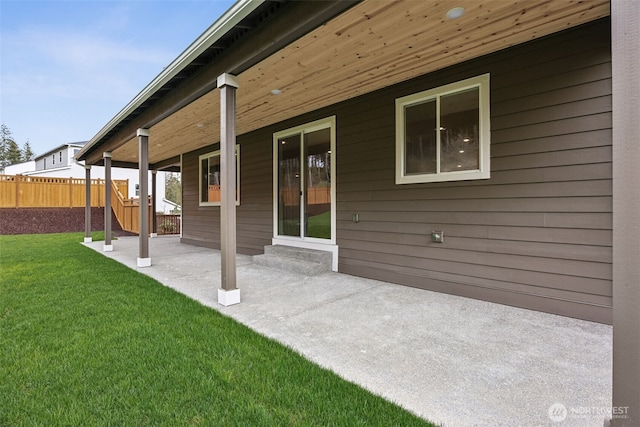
pixel 443 134
pixel 60 157
pixel 53 159
pixel 210 179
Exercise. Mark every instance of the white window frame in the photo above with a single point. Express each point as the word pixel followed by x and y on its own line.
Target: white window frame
pixel 482 83
pixel 217 154
pixel 328 245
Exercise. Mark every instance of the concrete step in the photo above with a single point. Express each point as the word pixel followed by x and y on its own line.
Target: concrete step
pixel 297 260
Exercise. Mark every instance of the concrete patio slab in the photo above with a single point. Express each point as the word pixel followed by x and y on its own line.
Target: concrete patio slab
pixel 452 360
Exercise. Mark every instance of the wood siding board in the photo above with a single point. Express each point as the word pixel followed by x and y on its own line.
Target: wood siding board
pixel 507 278
pixel 577 92
pixel 520 204
pixel 578 236
pixel 351 181
pixel 421 236
pixel 415 256
pixel 596 313
pixel 564 77
pixel 568 110
pixel 599 221
pixel 557 158
pixel 553 128
pixel 596 138
pixel 530 190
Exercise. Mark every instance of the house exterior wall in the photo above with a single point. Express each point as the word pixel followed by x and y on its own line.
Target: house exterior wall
pixel 58 158
pixel 537 234
pixel 19 168
pixel 201 224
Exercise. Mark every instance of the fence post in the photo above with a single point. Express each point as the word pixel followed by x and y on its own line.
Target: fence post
pixel 70 192
pixel 87 204
pixel 99 194
pixel 17 178
pixel 107 247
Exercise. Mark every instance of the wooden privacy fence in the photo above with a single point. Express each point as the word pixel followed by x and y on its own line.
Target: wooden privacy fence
pixel 315 196
pixel 20 191
pixel 127 212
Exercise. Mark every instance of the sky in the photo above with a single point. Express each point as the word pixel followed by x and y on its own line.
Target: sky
pixel 68 67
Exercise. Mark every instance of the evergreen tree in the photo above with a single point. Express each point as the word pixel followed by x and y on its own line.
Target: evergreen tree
pixel 27 152
pixel 13 153
pixel 173 188
pixel 6 140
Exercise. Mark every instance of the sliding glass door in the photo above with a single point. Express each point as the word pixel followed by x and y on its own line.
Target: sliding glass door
pixel 304 182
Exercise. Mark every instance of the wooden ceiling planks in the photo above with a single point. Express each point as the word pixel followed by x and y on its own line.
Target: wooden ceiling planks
pixel 372 45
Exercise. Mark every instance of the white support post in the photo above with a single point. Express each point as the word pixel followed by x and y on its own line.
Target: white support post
pixel 228 294
pixel 154 207
pixel 87 204
pixel 108 246
pixel 143 165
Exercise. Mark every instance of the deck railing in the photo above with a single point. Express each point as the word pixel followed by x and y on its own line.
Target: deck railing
pixel 127 211
pixel 168 223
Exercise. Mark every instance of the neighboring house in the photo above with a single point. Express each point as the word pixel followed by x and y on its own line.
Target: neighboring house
pixel 60 163
pixel 19 168
pixel 468 155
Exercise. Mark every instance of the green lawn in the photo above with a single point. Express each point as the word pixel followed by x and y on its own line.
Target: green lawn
pixel 87 341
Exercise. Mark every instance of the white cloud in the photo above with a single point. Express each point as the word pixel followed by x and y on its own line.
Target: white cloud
pixel 76 65
pixel 69 66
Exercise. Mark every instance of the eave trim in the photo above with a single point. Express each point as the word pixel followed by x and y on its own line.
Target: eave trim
pixel 240 10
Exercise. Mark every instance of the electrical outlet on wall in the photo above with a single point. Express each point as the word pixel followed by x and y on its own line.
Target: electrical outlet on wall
pixel 437 236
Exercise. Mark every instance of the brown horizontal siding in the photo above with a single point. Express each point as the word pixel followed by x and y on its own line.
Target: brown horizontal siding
pixel 538 233
pixel 201 224
pixel 493 278
pixel 475 229
pixel 562 306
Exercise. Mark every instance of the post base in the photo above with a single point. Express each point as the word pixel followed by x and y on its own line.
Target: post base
pixel 228 298
pixel 144 262
pixel 107 248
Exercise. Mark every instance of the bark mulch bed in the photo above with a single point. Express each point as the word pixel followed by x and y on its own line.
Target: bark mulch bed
pixel 53 220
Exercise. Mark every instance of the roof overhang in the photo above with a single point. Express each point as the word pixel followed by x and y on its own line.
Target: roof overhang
pixel 318 54
pixel 225 24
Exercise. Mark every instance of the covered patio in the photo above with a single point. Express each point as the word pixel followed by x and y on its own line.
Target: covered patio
pixel 452 360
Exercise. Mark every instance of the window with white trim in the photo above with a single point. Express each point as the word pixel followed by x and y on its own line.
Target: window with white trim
pixel 210 178
pixel 443 134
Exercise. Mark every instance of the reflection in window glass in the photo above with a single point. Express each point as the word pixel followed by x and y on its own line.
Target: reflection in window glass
pixel 420 138
pixel 211 179
pixel 459 123
pixel 317 149
pixel 289 185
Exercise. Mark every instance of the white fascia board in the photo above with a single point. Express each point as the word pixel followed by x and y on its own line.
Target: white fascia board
pixel 43 171
pixel 240 10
